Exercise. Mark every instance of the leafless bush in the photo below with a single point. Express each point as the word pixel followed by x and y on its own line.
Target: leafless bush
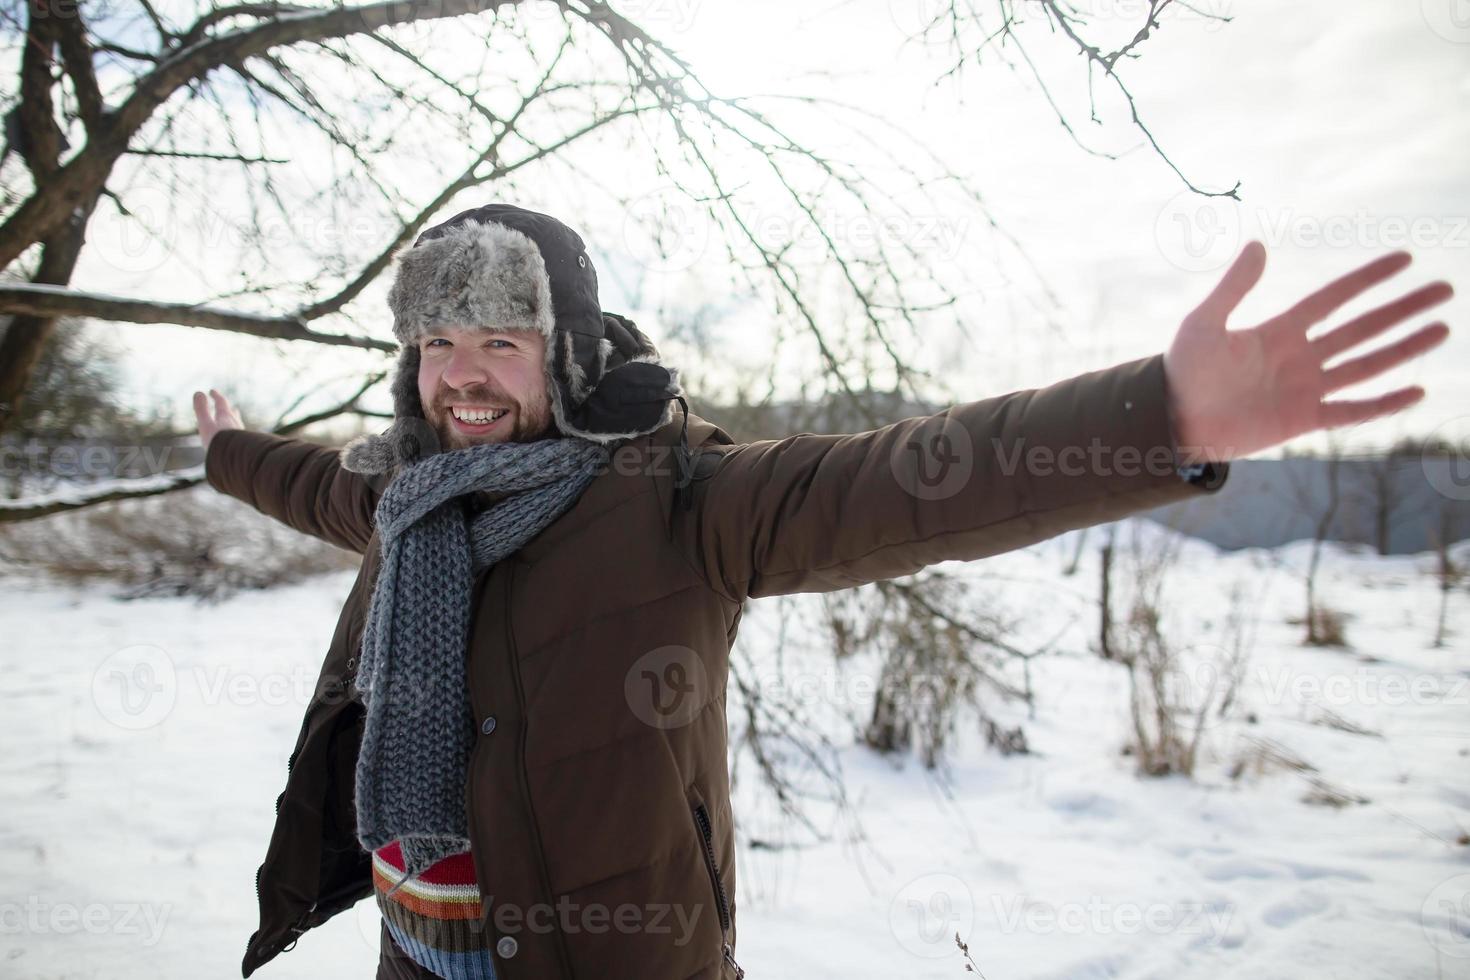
pixel 1260 756
pixel 1328 718
pixel 1239 639
pixel 934 664
pixel 1327 627
pixel 1170 699
pixel 1263 755
pixel 187 543
pixel 1323 793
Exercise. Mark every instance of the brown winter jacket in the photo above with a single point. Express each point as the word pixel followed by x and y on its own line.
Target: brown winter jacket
pixel 598 792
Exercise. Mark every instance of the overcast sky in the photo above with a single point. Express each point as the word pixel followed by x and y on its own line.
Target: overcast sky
pixel 1346 125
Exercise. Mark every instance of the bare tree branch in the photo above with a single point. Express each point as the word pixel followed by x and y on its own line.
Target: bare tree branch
pixel 73 499
pixel 955 22
pixel 51 301
pixel 87 171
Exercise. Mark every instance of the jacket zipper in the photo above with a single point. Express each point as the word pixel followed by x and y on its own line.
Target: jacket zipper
pixel 521 777
pixel 722 903
pixel 290 762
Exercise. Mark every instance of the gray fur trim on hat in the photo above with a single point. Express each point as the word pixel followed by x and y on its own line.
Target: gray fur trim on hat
pixel 477 274
pixel 379 453
pixel 604 378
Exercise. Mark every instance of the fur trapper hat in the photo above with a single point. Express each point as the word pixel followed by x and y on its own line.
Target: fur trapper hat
pixel 504 267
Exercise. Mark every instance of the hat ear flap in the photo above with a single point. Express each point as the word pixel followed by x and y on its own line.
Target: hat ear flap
pixel 629 343
pixel 626 391
pixel 405 386
pixel 632 399
pixel 408 439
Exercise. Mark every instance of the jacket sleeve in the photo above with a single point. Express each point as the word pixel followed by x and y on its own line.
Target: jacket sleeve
pixel 815 513
pixel 301 484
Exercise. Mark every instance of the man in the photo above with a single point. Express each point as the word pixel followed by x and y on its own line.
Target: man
pixel 518 738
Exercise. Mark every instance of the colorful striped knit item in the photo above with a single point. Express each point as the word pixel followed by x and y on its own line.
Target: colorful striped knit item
pixel 436 917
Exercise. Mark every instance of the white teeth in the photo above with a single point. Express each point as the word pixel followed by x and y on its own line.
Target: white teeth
pixel 476 416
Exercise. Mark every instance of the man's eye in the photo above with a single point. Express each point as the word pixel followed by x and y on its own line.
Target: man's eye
pixel 434 341
pixel 505 342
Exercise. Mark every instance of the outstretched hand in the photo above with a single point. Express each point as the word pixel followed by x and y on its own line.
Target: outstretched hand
pixel 212 420
pixel 1233 392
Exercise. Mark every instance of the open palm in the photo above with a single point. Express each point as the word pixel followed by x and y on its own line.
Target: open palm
pixel 214 417
pixel 1233 392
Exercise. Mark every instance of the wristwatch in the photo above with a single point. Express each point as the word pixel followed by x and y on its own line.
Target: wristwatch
pixel 1191 472
pixel 1210 476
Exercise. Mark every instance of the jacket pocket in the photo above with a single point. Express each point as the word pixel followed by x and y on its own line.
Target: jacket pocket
pixel 706 833
pixel 707 841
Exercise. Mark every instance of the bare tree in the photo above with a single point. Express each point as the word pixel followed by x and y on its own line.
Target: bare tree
pixel 1377 491
pixel 1449 573
pixel 1321 501
pixel 1105 594
pixel 1005 29
pixel 351 78
pixel 406 105
pixel 108 109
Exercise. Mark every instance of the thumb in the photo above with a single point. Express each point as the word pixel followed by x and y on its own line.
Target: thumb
pixel 1238 280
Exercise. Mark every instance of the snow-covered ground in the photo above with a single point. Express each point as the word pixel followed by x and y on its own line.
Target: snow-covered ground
pixel 132 825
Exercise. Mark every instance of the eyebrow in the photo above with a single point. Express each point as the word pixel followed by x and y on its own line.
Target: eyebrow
pixel 441 331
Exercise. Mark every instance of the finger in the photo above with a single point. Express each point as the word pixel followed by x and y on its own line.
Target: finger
pixel 1352 411
pixel 1376 321
pixel 1320 304
pixel 1238 280
pixel 1371 365
pixel 201 408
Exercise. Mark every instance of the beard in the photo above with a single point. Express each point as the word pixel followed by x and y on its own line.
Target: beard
pixel 528 422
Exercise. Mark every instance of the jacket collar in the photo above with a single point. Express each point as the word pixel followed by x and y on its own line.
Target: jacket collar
pixel 644 463
pixel 639 464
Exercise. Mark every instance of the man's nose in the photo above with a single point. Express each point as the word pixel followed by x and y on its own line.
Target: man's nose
pixel 465 368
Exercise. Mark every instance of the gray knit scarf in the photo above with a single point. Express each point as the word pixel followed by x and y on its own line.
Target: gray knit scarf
pixel 419 727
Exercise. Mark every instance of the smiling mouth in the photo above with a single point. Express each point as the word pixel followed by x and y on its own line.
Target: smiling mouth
pixel 476 420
